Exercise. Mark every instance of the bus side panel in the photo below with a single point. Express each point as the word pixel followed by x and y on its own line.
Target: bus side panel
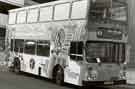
pixel 72 73
pixel 42 66
pixel 31 64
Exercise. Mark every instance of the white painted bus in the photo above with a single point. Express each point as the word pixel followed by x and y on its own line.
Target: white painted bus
pixel 81 42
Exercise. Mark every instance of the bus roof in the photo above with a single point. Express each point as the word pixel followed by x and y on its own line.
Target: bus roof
pixel 43 5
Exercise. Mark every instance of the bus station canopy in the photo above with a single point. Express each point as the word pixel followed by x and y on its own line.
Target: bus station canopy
pixel 43 1
pixel 4 7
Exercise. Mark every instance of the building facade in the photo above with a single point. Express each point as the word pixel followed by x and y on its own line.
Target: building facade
pixel 131 22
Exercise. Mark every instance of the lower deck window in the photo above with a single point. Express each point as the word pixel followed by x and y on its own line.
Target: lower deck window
pixel 76 51
pixel 30 47
pixel 43 48
pixel 18 45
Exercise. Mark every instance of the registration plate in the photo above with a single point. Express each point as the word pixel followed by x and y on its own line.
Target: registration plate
pixel 108 83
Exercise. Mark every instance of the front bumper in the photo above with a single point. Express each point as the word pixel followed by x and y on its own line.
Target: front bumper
pixel 101 83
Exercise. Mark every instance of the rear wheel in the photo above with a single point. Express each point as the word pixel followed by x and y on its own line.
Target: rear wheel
pixel 16 67
pixel 59 78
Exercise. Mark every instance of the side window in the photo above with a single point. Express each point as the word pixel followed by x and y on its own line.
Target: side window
pixel 19 45
pixel 2 45
pixel 2 32
pixel 46 13
pixel 64 8
pixel 21 17
pixel 100 9
pixel 30 47
pixel 79 9
pixel 43 48
pixel 32 15
pixel 12 18
pixel 76 50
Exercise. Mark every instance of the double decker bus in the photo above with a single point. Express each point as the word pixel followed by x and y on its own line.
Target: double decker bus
pixel 81 42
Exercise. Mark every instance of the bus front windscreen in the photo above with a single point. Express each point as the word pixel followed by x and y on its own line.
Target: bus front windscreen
pixel 102 10
pixel 106 52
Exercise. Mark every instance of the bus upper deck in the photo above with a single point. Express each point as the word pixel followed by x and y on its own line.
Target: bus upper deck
pixel 107 18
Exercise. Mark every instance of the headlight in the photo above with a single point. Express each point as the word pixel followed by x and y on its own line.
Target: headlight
pixel 92 74
pixel 122 74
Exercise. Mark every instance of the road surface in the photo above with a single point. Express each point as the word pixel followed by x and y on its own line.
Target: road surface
pixel 10 80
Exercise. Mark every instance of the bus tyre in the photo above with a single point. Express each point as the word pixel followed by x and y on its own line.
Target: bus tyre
pixel 17 66
pixel 17 69
pixel 59 78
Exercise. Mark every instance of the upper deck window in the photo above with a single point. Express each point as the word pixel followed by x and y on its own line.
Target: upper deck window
pixel 46 13
pixel 119 11
pixel 21 17
pixel 32 15
pixel 101 10
pixel 62 11
pixel 12 18
pixel 79 9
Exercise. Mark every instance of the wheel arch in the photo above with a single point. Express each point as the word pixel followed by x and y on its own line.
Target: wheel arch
pixel 16 65
pixel 55 68
pixel 16 60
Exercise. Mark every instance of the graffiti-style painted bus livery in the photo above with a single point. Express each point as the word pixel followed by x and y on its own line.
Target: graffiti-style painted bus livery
pixel 81 42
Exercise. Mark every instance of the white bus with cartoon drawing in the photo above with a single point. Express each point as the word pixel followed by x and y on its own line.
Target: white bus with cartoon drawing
pixel 81 42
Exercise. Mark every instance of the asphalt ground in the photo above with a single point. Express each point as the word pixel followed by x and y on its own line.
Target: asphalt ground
pixel 11 80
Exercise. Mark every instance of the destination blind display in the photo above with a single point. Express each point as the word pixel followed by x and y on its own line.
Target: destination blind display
pixel 109 33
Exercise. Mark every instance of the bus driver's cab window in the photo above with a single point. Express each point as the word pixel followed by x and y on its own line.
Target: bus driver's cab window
pixel 76 51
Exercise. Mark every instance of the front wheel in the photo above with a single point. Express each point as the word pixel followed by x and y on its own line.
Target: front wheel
pixel 59 76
